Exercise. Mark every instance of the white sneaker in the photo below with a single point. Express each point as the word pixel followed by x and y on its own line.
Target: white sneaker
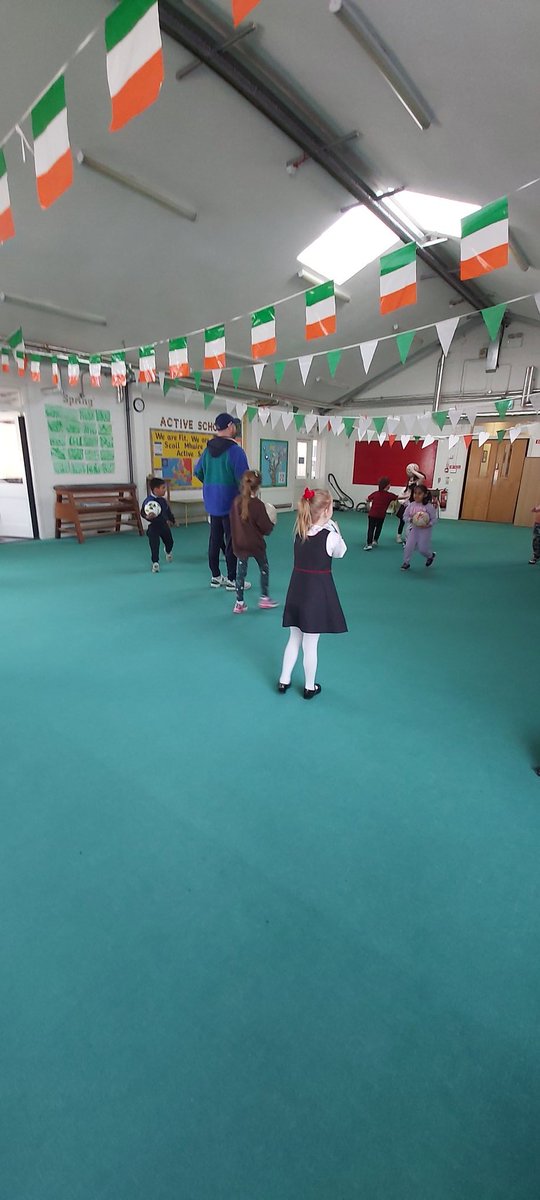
pixel 155 568
pixel 230 585
pixel 399 539
pixel 218 581
pixel 368 547
pixel 168 558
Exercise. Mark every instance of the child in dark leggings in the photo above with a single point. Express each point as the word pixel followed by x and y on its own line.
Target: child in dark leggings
pixel 250 523
pixel 379 503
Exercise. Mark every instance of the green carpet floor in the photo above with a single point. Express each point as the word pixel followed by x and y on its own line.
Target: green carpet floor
pixel 258 949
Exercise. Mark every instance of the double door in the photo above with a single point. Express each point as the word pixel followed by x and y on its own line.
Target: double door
pixel 493 480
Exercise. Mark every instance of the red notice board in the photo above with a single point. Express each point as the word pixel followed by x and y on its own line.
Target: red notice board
pixel 372 462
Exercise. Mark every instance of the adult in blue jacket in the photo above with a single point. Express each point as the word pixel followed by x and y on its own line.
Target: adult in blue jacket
pixel 220 469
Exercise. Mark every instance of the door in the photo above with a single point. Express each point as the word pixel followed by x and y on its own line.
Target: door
pixel 15 515
pixel 493 479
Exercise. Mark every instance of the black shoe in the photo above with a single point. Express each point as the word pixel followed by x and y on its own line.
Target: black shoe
pixel 309 695
pixel 283 687
pixel 431 559
pixel 537 770
pixel 405 566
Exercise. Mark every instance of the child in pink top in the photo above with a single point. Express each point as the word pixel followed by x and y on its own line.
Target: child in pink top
pixel 419 535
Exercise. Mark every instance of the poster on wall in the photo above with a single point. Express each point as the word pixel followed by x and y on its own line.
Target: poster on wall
pixel 174 453
pixel 274 462
pixel 80 440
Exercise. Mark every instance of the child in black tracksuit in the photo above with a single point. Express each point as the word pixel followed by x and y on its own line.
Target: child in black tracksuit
pixel 158 523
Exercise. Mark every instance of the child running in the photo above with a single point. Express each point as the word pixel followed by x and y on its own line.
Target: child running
pixel 158 528
pixel 420 516
pixel 379 503
pixel 249 524
pixel 312 606
pixel 536 539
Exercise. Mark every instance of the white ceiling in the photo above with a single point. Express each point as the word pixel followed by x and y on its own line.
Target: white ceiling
pixel 103 250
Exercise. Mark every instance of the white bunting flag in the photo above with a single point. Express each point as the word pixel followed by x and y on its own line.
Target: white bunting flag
pixel 471 415
pixel 305 363
pixel 258 369
pixel 264 414
pixel 537 300
pixel 367 350
pixel 363 426
pixel 275 418
pixel 287 418
pixel 409 422
pixel 392 424
pixel 309 421
pixel 454 416
pixel 428 441
pixel 482 437
pixel 453 440
pixel 382 437
pixel 514 433
pixel 240 408
pixel 336 424
pixel 405 439
pixel 446 331
pixel 161 377
pixel 322 423
pixel 370 435
pixel 216 376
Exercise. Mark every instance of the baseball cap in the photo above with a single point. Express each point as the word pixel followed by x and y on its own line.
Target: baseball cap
pixel 223 420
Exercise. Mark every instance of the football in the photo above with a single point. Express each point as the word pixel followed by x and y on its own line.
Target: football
pixel 151 509
pixel 420 519
pixel 271 510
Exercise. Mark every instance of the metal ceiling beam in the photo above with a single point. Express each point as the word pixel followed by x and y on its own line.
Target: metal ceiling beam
pixel 197 29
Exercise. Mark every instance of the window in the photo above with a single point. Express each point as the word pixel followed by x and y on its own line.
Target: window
pixel 307 458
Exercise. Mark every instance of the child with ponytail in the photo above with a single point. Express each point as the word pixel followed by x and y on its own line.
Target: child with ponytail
pixel 250 523
pixel 312 606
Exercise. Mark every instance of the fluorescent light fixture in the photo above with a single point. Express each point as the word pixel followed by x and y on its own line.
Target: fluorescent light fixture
pixel 435 214
pixel 386 62
pixel 54 310
pixel 354 240
pixel 135 185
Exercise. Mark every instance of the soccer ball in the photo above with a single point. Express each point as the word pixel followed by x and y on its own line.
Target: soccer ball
pixel 151 509
pixel 271 510
pixel 421 519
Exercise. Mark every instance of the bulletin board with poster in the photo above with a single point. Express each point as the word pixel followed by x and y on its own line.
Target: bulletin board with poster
pixel 174 453
pixel 372 462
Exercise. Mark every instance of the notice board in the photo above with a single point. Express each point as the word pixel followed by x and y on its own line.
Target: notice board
pixel 372 462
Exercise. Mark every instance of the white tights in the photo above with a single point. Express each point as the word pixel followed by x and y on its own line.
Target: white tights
pixel 309 643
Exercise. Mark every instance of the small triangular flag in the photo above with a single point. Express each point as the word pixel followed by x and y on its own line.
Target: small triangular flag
pixel 240 408
pixel 309 421
pixel 235 375
pixel 405 439
pixel 322 422
pixel 279 371
pixel 264 414
pixel 391 439
pixel 363 425
pixel 304 362
pixel 251 413
pixel 409 422
pixel 370 435
pixel 258 369
pixel 336 425
pixel 367 350
pixel 502 407
pixel 348 425
pixel 392 424
pixel 453 440
pixel 381 438
pixel 332 358
pixel 161 377
pixel 299 420
pixel 287 418
pixel 207 399
pixel 404 342
pixel 500 434
pixel 482 437
pixel 492 319
pixel 275 417
pixel 467 438
pixel 440 418
pixel 471 417
pixel 454 416
pixel 378 423
pixel 446 331
pixel 514 433
pixel 216 376
pixel 428 441
pixel 197 376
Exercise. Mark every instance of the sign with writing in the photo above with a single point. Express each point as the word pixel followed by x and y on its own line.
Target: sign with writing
pixel 174 452
pixel 81 442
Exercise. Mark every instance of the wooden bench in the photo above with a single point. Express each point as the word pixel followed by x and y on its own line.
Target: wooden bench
pixel 96 508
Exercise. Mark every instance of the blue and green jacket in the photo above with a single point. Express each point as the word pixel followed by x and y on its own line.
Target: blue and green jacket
pixel 220 469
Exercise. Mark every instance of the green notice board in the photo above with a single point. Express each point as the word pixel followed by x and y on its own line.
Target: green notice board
pixel 81 440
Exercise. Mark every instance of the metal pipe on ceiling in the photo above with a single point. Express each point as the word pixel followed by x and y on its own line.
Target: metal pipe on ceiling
pixel 274 97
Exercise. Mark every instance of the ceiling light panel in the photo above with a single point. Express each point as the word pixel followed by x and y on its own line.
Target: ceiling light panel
pixel 354 240
pixel 435 214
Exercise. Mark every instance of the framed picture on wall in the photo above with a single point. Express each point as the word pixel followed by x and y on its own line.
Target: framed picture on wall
pixel 274 466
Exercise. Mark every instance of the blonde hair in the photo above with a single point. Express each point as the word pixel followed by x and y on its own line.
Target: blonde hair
pixel 249 486
pixel 309 511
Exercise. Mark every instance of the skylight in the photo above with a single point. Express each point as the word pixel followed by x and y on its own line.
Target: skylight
pixel 433 214
pixel 353 241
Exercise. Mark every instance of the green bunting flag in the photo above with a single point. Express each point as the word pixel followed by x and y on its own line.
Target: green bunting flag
pixel 207 400
pixel 492 319
pixel 197 375
pixel 251 413
pixel 279 371
pixel 378 424
pixel 299 420
pixel 404 343
pixel 348 425
pixel 500 434
pixel 440 418
pixel 417 437
pixel 235 375
pixel 502 407
pixel 332 358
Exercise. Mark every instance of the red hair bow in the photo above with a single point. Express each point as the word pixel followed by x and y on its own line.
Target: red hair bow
pixel 308 494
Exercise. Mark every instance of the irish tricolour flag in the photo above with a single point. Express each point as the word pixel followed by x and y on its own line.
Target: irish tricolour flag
pixel 178 357
pixel 214 348
pixel 118 369
pixel 147 364
pixel 35 367
pixel 94 365
pixel 5 360
pixel 16 343
pixel 134 59
pixel 398 278
pixel 263 332
pixel 74 370
pixel 320 310
pixel 7 228
pixel 52 151
pixel 484 240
